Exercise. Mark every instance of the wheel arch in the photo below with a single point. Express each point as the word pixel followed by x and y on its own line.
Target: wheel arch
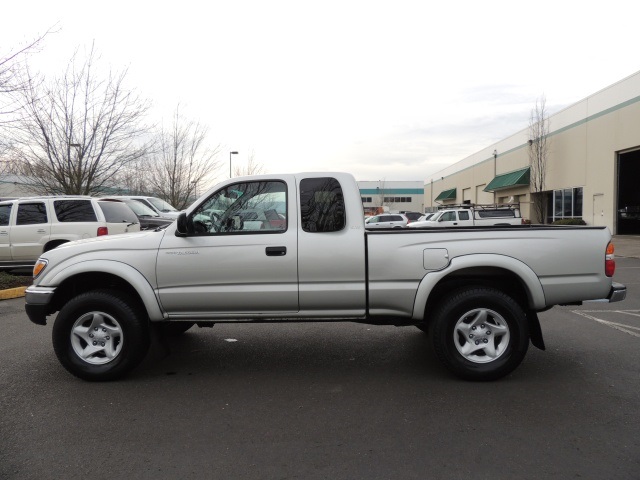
pixel 86 276
pixel 504 273
pixel 51 244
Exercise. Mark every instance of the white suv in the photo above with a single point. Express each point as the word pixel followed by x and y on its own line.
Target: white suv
pixel 386 220
pixel 33 225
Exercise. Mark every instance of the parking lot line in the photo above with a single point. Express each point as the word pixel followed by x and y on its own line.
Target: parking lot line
pixel 618 326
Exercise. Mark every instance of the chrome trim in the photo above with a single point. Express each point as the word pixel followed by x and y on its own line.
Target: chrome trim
pixel 39 295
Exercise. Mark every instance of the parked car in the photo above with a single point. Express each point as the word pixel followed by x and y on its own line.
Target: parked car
pixel 425 217
pixel 412 216
pixel 148 218
pixel 158 205
pixel 386 220
pixel 33 225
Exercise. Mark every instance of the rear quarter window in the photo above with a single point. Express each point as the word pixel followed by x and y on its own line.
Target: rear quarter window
pixel 322 206
pixel 505 213
pixel 117 212
pixel 74 211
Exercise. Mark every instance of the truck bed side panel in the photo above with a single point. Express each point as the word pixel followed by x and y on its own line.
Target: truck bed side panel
pixel 569 261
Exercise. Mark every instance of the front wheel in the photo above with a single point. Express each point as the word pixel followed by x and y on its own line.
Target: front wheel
pixel 100 335
pixel 480 333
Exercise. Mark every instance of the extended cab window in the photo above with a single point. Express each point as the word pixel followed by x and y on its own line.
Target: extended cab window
pixel 321 205
pixel 31 214
pixel 463 215
pixel 5 213
pixel 74 211
pixel 251 207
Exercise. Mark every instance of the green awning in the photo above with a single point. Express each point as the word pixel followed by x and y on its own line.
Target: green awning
pixel 518 178
pixel 447 195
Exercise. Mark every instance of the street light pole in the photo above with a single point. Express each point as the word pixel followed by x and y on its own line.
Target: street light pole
pixel 231 153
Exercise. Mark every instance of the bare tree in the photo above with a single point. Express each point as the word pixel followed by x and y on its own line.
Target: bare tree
pixel 11 64
pixel 133 179
pixel 253 167
pixel 74 134
pixel 184 164
pixel 11 80
pixel 538 155
pixel 382 191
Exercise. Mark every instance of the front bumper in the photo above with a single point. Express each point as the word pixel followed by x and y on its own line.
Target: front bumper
pixel 37 300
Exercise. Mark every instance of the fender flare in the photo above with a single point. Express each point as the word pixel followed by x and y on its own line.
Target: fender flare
pixel 532 284
pixel 129 274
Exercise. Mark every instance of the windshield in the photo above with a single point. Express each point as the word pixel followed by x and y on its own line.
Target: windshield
pixel 161 205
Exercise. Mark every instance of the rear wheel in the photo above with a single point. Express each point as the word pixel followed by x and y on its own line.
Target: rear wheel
pixel 100 335
pixel 480 333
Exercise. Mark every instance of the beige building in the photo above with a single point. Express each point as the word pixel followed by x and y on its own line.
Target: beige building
pixel 593 168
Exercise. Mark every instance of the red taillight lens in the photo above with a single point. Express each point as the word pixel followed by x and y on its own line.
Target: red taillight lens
pixel 609 262
pixel 103 231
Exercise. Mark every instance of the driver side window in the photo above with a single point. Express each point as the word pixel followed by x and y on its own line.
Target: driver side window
pixel 448 217
pixel 250 207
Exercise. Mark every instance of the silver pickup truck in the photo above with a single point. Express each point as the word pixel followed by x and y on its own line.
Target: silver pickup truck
pixel 293 248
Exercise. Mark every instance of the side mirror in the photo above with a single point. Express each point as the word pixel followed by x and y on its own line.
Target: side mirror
pixel 183 226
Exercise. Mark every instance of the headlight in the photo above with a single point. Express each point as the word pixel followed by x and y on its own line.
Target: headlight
pixel 40 265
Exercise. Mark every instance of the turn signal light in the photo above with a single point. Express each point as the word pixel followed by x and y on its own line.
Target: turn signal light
pixel 39 267
pixel 609 262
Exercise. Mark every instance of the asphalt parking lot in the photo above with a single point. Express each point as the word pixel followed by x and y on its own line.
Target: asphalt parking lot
pixel 339 401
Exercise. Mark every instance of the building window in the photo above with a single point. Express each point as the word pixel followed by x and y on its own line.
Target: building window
pixel 397 199
pixel 367 199
pixel 567 203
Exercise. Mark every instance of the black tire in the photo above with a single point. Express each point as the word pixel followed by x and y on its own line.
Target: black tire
pixel 109 320
pixel 175 329
pixel 480 333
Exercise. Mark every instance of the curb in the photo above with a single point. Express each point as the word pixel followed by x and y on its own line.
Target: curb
pixel 12 293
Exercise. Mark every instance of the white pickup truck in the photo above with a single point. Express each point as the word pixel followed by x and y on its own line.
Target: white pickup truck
pixel 476 291
pixel 479 216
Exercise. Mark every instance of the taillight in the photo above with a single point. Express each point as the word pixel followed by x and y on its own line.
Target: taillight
pixel 103 231
pixel 609 262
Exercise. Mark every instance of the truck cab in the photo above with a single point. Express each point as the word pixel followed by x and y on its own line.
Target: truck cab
pixel 454 218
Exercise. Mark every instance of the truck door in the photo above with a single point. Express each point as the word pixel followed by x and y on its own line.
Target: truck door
pixel 236 257
pixel 331 258
pixel 448 219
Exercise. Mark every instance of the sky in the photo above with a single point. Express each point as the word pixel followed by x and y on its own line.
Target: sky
pixel 385 90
